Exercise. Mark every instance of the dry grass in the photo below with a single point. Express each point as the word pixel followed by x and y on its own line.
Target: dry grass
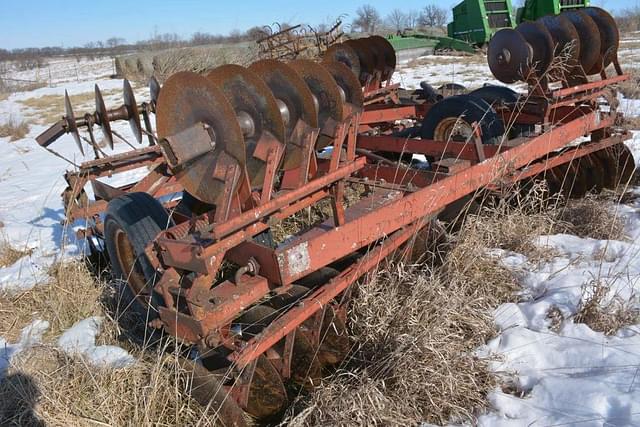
pixel 14 129
pixel 46 387
pixel 9 254
pixel 47 109
pixel 604 314
pixel 73 294
pixel 591 216
pixel 415 329
pixel 631 87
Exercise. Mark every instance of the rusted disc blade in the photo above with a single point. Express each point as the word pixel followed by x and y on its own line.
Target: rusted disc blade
pixel 187 99
pixel 132 109
pixel 541 45
pixel 348 83
pixel 334 339
pixel 267 395
pixel 306 368
pixel 366 58
pixel 249 95
pixel 565 40
pixel 290 89
pixel 344 54
pixel 103 117
pixel 154 89
pixel 609 34
pixel 595 171
pixel 509 56
pixel 72 127
pixel 206 388
pixel 607 166
pixel 589 36
pixel 389 54
pixel 377 52
pixel 325 91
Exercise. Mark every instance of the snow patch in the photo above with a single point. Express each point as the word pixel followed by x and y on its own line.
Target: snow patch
pixel 80 340
pixel 30 336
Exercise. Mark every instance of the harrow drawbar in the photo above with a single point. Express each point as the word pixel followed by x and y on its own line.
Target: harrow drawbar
pixel 240 154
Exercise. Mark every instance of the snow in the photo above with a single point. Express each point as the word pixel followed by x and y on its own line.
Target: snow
pixel 30 336
pixel 572 375
pixel 80 340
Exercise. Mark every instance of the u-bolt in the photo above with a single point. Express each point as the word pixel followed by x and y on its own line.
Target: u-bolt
pixel 252 268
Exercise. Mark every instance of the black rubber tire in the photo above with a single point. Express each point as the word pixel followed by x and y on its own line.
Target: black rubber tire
pixel 472 109
pixel 451 89
pixel 141 217
pixel 496 95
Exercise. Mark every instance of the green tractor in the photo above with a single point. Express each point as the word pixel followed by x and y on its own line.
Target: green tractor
pixel 475 21
pixel 534 9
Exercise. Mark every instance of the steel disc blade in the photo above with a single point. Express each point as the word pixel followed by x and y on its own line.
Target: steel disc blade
pixel 250 95
pixel 565 40
pixel 344 54
pixel 154 89
pixel 377 52
pixel 72 126
pixel 207 389
pixel 609 34
pixel 132 109
pixel 288 87
pixel 185 100
pixel 589 39
pixel 509 56
pixel 347 82
pixel 366 58
pixel 103 117
pixel 325 91
pixel 267 395
pixel 389 54
pixel 541 45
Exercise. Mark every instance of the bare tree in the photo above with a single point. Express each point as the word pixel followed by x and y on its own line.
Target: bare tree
pixel 433 16
pixel 367 19
pixel 413 19
pixel 115 41
pixel 397 20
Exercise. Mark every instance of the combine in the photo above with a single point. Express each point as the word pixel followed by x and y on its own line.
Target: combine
pixel 239 153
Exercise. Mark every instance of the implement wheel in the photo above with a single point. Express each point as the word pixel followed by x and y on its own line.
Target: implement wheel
pixel 451 120
pixel 131 222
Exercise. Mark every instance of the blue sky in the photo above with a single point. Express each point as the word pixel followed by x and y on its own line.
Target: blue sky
pixel 27 23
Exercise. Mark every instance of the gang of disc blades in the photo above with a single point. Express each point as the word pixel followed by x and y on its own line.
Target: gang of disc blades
pixel 187 99
pixel 324 89
pixel 366 58
pixel 609 34
pixel 344 54
pixel 132 110
pixel 72 126
pixel 589 35
pixel 248 93
pixel 347 82
pixel 509 56
pixel 541 44
pixel 389 54
pixel 565 40
pixel 289 88
pixel 103 117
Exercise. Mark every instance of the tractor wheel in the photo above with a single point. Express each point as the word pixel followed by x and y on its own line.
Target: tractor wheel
pixel 131 222
pixel 451 120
